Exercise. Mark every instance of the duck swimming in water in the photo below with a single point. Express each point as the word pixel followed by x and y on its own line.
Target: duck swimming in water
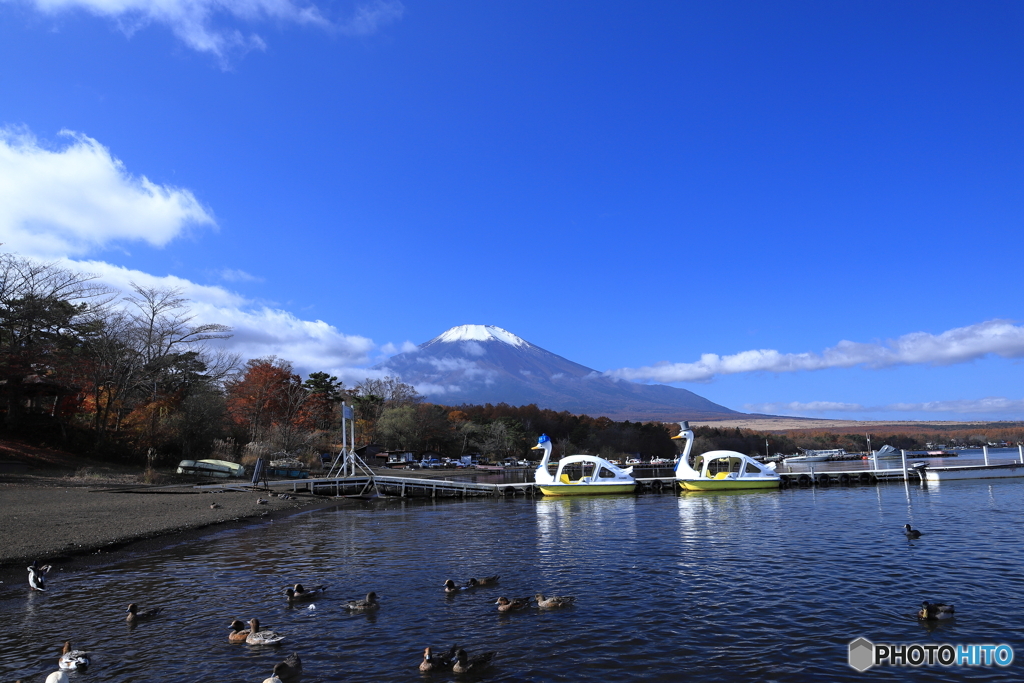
pixel 370 603
pixel 72 660
pixel 58 677
pixel 486 581
pixel 911 533
pixel 506 605
pixel 298 593
pixel 554 601
pixel 238 632
pixel 134 615
pixel 933 611
pixel 450 587
pixel 37 576
pixel 464 664
pixel 439 662
pixel 287 671
pixel 258 637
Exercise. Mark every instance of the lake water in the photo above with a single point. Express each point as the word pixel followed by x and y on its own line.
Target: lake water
pixel 755 586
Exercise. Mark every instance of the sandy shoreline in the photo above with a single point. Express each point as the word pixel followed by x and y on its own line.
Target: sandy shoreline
pixel 55 522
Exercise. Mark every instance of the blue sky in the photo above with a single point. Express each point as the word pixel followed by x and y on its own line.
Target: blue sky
pixel 799 208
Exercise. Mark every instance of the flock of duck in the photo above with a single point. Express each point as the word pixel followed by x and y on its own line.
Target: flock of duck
pixel 454 659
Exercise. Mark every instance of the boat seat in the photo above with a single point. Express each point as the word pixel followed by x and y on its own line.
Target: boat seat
pixel 722 475
pixel 564 479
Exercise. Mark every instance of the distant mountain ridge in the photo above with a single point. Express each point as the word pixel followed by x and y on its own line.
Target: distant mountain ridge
pixel 480 364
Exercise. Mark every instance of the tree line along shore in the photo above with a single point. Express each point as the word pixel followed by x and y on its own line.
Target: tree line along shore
pixel 130 377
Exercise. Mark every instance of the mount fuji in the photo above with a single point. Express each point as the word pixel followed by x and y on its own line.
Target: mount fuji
pixel 480 364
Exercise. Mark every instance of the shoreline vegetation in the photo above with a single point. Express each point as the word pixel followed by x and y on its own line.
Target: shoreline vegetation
pixel 130 378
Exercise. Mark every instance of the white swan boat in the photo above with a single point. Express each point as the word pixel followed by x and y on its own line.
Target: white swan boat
pixel 721 470
pixel 597 475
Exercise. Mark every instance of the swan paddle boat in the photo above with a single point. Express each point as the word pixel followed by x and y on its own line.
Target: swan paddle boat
pixel 597 475
pixel 721 470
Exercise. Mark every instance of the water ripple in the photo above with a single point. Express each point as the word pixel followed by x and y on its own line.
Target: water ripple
pixel 765 586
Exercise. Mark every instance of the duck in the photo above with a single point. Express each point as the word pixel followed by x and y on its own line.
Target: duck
pixel 363 605
pixel 214 506
pixel 932 611
pixel 134 615
pixel 554 601
pixel 58 677
pixel 258 637
pixel 506 605
pixel 450 587
pixel 238 635
pixel 287 671
pixel 911 533
pixel 298 593
pixel 486 581
pixel 262 501
pixel 432 662
pixel 464 664
pixel 37 576
pixel 72 660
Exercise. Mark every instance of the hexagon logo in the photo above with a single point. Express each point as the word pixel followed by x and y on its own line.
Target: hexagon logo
pixel 862 654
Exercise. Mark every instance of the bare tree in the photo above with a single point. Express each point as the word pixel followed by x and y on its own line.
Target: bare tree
pixel 45 311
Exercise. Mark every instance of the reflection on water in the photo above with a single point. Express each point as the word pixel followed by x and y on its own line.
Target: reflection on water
pixel 758 585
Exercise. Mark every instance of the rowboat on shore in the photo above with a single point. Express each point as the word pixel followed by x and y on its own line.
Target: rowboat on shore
pixel 596 475
pixel 211 468
pixel 721 470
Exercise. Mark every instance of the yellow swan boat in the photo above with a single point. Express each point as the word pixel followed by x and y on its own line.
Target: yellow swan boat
pixel 721 470
pixel 596 475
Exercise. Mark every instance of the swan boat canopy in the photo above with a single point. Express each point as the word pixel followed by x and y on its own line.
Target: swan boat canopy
pixel 721 470
pixel 593 474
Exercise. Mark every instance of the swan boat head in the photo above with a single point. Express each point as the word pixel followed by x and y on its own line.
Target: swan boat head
pixel 684 459
pixel 542 476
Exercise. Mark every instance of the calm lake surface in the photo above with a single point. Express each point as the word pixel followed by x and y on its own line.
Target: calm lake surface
pixel 759 586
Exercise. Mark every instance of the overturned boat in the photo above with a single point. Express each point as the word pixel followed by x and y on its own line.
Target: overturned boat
pixel 580 474
pixel 721 470
pixel 211 468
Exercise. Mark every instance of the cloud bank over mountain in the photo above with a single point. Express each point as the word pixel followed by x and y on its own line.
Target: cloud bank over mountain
pixel 960 345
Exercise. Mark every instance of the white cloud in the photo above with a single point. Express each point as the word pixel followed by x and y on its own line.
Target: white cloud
pixel 960 345
pixel 469 369
pixel 391 349
pixel 203 24
pixel 474 348
pixel 428 389
pixel 985 406
pixel 72 200
pixel 257 331
pixel 368 18
pixel 236 275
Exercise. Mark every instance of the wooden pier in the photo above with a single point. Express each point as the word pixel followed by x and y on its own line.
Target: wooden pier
pixel 364 485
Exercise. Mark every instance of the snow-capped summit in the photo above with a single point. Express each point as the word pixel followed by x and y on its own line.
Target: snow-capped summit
pixel 478 333
pixel 486 364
